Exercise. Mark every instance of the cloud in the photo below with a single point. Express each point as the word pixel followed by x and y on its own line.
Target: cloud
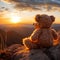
pixel 36 4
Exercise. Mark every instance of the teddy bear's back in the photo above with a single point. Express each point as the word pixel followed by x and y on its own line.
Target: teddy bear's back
pixel 45 38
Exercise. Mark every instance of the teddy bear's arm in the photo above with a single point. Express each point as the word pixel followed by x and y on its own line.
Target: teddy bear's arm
pixel 34 35
pixel 55 35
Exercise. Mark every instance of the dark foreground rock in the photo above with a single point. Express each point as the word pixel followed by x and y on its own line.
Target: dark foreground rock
pixel 19 52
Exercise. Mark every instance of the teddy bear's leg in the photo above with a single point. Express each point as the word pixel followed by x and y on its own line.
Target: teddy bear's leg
pixel 28 44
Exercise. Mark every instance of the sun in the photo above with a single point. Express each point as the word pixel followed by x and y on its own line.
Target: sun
pixel 15 19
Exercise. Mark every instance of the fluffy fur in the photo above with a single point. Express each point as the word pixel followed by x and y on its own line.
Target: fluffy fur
pixel 43 35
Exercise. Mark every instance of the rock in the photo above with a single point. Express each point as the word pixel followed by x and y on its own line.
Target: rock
pixel 55 52
pixel 25 54
pixel 19 52
pixel 14 48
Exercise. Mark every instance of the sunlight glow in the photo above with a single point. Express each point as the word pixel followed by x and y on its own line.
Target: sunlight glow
pixel 15 19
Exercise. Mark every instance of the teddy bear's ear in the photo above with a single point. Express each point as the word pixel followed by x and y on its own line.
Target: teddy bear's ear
pixel 52 18
pixel 37 17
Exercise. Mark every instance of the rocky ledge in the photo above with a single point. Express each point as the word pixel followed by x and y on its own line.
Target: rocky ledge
pixel 19 52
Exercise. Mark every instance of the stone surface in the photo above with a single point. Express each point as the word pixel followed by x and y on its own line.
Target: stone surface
pixel 19 52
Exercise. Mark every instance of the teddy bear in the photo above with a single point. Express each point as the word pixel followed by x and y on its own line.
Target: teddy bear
pixel 43 35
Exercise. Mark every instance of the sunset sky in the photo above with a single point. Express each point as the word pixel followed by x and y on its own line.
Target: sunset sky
pixel 25 11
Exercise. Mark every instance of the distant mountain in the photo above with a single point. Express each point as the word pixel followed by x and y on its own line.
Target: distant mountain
pixel 24 26
pixel 56 26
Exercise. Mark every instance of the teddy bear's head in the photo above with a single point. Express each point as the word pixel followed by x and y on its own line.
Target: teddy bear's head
pixel 44 20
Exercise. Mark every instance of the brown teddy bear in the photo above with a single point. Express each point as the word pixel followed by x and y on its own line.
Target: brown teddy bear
pixel 43 35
